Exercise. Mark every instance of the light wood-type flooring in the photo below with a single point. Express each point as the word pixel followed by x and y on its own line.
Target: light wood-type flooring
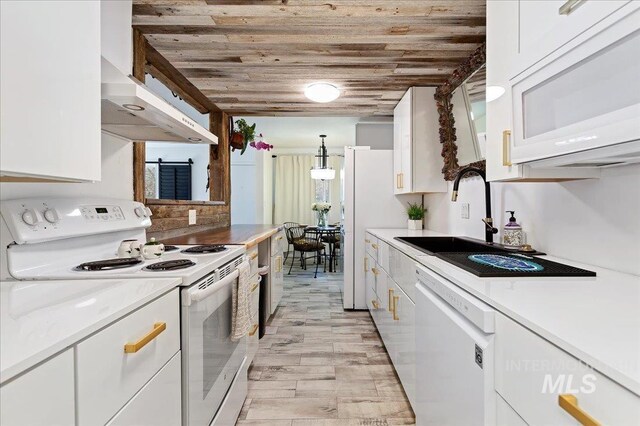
pixel 321 365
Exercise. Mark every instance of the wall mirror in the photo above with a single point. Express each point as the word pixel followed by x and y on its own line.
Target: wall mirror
pixel 461 103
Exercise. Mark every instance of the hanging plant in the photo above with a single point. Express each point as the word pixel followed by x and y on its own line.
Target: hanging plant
pixel 242 135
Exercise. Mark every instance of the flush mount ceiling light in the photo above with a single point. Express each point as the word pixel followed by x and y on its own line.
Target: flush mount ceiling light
pixel 133 107
pixel 322 92
pixel 321 171
pixel 494 92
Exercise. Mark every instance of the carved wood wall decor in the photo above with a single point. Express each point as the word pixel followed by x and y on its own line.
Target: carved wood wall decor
pixel 446 120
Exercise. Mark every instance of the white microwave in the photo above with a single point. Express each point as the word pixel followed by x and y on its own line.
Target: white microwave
pixel 585 99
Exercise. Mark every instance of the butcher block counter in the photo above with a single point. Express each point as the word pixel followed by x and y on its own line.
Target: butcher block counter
pixel 249 235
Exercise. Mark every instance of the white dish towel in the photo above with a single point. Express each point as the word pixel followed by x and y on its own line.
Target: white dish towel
pixel 241 310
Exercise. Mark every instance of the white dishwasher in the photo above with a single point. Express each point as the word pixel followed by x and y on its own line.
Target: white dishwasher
pixel 454 355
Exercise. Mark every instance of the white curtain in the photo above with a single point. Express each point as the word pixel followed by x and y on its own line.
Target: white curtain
pixel 294 190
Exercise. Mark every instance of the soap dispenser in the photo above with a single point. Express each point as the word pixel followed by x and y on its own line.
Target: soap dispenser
pixel 512 234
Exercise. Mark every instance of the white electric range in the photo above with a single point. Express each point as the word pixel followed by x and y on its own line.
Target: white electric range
pixel 78 239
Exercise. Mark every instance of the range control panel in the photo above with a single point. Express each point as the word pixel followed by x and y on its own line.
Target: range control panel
pixel 32 220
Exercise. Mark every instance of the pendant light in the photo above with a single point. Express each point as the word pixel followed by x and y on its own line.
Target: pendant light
pixel 321 171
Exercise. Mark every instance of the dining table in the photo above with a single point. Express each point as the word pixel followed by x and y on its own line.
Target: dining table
pixel 328 234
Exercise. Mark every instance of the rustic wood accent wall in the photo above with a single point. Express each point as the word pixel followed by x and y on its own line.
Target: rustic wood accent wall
pixel 171 217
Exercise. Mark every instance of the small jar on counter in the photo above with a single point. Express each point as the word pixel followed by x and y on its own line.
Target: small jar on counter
pixel 512 235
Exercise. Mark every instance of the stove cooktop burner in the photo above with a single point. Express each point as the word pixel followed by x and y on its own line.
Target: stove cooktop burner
pixel 168 249
pixel 170 265
pixel 108 264
pixel 211 248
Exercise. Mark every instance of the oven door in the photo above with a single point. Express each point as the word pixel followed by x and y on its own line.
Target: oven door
pixel 210 358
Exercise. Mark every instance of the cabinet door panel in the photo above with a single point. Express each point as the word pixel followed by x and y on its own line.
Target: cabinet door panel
pixel 277 281
pixel 404 342
pixel 50 100
pixel 43 396
pixel 158 403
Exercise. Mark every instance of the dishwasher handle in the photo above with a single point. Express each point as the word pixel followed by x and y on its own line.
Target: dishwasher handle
pixel 470 307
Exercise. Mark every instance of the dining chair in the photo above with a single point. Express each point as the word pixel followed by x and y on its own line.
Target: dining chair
pixel 306 244
pixel 288 225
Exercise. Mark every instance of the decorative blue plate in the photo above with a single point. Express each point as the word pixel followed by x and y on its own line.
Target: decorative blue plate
pixel 506 262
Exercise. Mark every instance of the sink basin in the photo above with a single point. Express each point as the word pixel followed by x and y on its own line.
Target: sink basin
pixel 433 245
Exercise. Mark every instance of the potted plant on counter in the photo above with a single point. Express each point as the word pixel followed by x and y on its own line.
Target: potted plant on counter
pixel 416 214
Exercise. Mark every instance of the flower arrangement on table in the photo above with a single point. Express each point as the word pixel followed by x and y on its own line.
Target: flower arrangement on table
pixel 322 209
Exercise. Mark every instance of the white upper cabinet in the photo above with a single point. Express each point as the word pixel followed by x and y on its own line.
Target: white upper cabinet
pixel 502 53
pixel 545 26
pixel 416 144
pixel 50 104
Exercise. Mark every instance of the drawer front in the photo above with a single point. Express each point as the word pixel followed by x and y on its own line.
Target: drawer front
pixel 158 403
pixel 42 396
pixel 229 411
pixel 276 281
pixel 278 243
pixel 371 243
pixel 531 373
pixel 252 256
pixel 403 271
pixel 107 377
pixel 381 285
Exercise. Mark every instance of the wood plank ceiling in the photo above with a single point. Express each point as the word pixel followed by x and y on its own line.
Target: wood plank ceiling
pixel 256 57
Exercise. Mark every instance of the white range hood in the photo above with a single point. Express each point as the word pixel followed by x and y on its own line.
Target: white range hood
pixel 131 111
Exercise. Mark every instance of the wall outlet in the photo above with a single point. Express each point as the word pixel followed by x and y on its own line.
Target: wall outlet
pixel 192 217
pixel 464 210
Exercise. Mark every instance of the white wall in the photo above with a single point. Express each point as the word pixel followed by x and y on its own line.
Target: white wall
pixel 592 221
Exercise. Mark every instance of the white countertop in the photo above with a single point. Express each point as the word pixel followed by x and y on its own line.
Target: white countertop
pixel 40 318
pixel 596 319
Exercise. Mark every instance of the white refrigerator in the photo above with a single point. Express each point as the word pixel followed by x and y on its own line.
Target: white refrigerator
pixel 369 202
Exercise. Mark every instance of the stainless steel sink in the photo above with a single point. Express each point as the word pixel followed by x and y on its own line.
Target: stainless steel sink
pixel 433 245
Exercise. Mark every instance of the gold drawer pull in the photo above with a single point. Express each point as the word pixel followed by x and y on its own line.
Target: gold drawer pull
pixel 253 330
pixel 375 271
pixel 158 328
pixel 366 240
pixel 374 245
pixel 569 403
pixel 506 156
pixel 390 300
pixel 366 264
pixel 395 308
pixel 279 238
pixel 254 287
pixel 375 304
pixel 398 180
pixel 401 180
pixel 253 255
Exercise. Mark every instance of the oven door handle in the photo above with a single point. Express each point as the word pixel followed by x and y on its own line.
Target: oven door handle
pixel 195 294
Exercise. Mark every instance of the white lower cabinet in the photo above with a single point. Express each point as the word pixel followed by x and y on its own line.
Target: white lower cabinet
pixel 107 376
pixel 158 403
pixel 277 280
pixel 394 315
pixel 403 342
pixel 505 415
pixel 42 396
pixel 252 338
pixel 532 374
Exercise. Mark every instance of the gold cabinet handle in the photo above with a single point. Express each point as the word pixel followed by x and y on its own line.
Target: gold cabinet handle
pixel 253 255
pixel 506 152
pixel 253 330
pixel 401 180
pixel 390 300
pixel 375 304
pixel 366 240
pixel 374 245
pixel 279 238
pixel 375 271
pixel 158 328
pixel 395 308
pixel 569 403
pixel 366 264
pixel 398 180
pixel 254 287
